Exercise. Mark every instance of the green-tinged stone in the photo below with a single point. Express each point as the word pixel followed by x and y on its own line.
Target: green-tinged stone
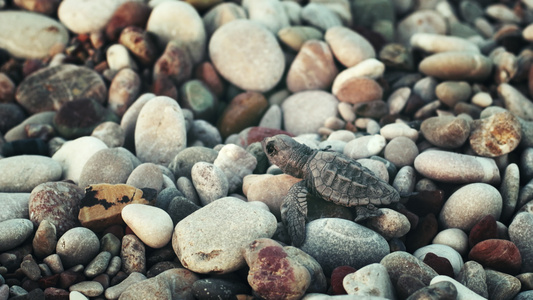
pixel 196 96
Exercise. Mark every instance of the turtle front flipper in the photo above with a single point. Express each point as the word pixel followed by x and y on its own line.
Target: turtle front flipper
pixel 294 212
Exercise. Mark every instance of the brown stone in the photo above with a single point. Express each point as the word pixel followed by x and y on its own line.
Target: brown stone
pixel 46 7
pixel 457 66
pixel 7 89
pixel 163 86
pixel 207 74
pixel 140 44
pixel 245 110
pixel 446 131
pixel 440 264
pixel 103 203
pixel 313 68
pixel 131 13
pixel 337 276
pixel 423 234
pixel 175 63
pixel 359 90
pixel 124 89
pixel 499 255
pixel 496 135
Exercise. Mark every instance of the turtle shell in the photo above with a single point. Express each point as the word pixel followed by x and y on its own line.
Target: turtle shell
pixel 341 180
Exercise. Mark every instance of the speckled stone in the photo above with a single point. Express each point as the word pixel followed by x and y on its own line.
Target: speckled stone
pixel 501 285
pixel 496 135
pixel 79 245
pixel 330 240
pixel 402 263
pixel 14 206
pixel 209 181
pixel 214 246
pixel 133 255
pixel 401 151
pixel 13 232
pixel 446 131
pixel 390 224
pixel 470 204
pixel 111 166
pixel 520 231
pixel 58 202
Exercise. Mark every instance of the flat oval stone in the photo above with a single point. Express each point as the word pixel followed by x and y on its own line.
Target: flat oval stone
pixel 401 151
pixel 434 43
pixel 313 68
pixel 247 55
pixel 369 68
pixel 456 168
pixel 330 240
pixel 470 204
pixel 124 89
pixel 357 90
pixel 35 36
pixel 390 224
pixel 151 224
pixel 131 13
pixel 178 20
pixel 454 238
pixel 244 110
pixel 14 232
pixel 496 135
pixel 79 245
pixel 14 206
pixel 457 66
pixel 49 88
pixel 160 132
pixel 349 47
pixel 516 102
pixel 452 92
pixel 365 146
pixel 22 173
pixel 57 202
pixel 306 112
pixel 211 238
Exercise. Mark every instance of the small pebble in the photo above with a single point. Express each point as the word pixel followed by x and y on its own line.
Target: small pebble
pixel 235 163
pixel 402 263
pixel 133 254
pixel 401 151
pixel 349 47
pixel 98 265
pixel 147 175
pixel 88 288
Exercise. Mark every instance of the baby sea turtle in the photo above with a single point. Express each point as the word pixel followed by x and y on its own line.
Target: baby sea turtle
pixel 329 175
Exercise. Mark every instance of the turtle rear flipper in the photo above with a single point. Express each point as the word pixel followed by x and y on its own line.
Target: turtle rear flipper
pixel 366 212
pixel 294 212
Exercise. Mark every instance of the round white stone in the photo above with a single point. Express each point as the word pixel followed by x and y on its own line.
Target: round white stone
pixel 151 224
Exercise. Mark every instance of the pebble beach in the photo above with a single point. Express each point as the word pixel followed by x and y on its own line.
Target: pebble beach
pixel 131 165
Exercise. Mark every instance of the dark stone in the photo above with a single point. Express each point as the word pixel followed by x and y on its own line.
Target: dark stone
pixel 10 116
pixel 408 285
pixel 79 118
pixel 441 265
pixel 501 285
pixel 218 289
pixel 443 290
pixel 165 197
pixel 472 275
pixel 197 97
pixel 25 147
pixel 140 43
pixel 180 207
pixel 182 164
pixel 423 234
pixel 127 14
pixel 161 267
pixel 69 277
pixel 53 293
pixel 425 202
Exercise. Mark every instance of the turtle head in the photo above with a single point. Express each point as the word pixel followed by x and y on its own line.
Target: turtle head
pixel 286 153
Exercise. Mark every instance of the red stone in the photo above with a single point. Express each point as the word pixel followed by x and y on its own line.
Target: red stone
pixel 496 254
pixel 441 265
pixel 52 293
pixel 337 276
pixel 245 110
pixel 48 281
pixel 163 86
pixel 484 229
pixel 129 13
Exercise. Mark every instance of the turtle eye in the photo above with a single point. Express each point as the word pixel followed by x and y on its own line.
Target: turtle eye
pixel 270 148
